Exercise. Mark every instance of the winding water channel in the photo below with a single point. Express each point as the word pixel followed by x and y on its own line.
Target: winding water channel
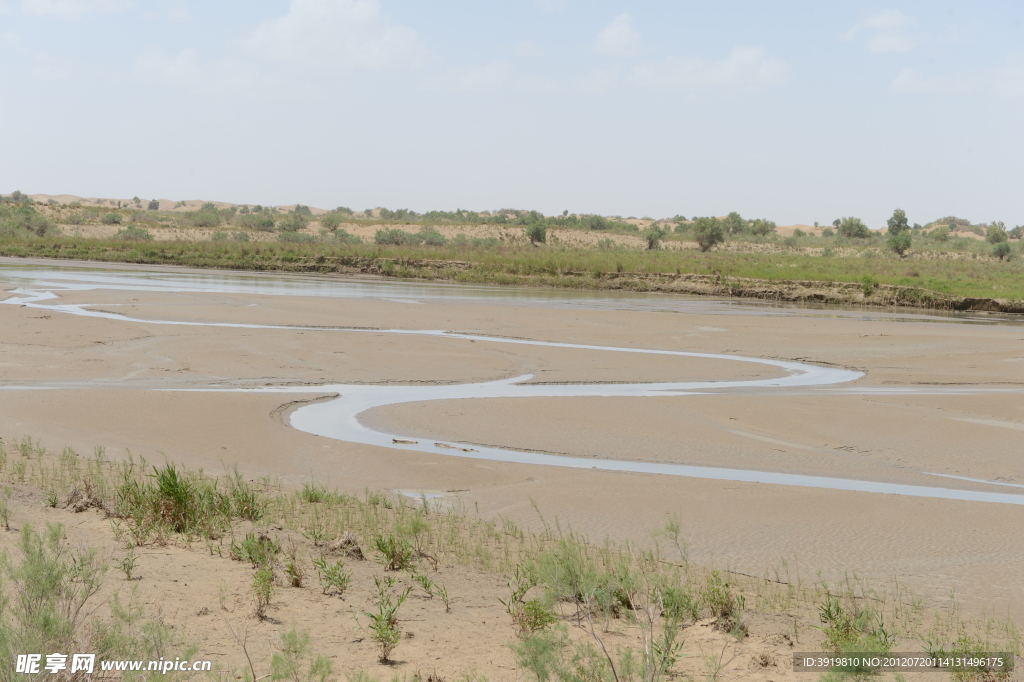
pixel 338 418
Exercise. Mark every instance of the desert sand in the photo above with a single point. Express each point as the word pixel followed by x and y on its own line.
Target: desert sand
pixel 939 398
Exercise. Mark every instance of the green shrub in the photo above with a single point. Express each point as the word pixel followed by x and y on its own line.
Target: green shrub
pixel 257 550
pixel 762 227
pixel 851 629
pixel 219 236
pixel 207 217
pixel 653 236
pixel 331 221
pixel 44 596
pixel 240 236
pixel 1001 250
pixel 294 222
pixel 153 205
pixel 723 604
pixel 133 233
pixel 295 663
pixel 995 234
pixel 537 233
pixel 827 232
pixel 899 242
pixel 797 232
pixel 344 237
pixel 707 232
pixel 111 219
pixel 430 237
pixel 74 218
pixel 393 236
pixel 172 501
pixel 940 233
pixel 734 224
pixel 258 220
pixel 853 228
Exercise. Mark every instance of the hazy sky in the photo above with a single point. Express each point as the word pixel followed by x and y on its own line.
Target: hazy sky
pixel 794 111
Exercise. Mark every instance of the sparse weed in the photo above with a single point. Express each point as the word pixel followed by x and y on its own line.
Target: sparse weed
pixel 296 663
pixel 333 577
pixel 128 563
pixel 384 629
pixel 263 589
pixel 394 553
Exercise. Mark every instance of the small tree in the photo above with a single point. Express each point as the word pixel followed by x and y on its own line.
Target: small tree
pixel 853 228
pixel 153 205
pixel 898 222
pixel 995 234
pixel 653 235
pixel 707 232
pixel 537 233
pixel 762 228
pixel 899 242
pixel 734 223
pixel 940 233
pixel 1016 233
pixel 330 221
pixel 1001 250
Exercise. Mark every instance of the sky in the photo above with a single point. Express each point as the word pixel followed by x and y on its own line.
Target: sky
pixel 792 111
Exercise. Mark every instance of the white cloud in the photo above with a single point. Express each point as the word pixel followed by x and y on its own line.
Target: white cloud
pixel 598 80
pixel 72 9
pixel 483 78
pixel 528 49
pixel 887 30
pixel 619 38
pixel 746 68
pixel 910 82
pixel 891 41
pixel 888 20
pixel 335 35
pixel 315 38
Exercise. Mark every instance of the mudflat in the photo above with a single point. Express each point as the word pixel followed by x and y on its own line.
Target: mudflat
pixel 940 404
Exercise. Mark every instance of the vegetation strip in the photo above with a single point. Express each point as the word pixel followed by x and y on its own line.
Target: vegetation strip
pixel 945 285
pixel 568 599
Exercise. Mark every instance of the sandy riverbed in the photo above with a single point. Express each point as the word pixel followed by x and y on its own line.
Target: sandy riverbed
pixel 883 427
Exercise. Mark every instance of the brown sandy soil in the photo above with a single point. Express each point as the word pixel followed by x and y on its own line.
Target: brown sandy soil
pixel 207 600
pixel 931 545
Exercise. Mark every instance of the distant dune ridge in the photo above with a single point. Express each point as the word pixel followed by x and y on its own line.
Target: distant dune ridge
pixel 181 206
pixel 165 204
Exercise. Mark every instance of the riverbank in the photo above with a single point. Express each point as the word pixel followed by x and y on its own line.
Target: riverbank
pixel 963 284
